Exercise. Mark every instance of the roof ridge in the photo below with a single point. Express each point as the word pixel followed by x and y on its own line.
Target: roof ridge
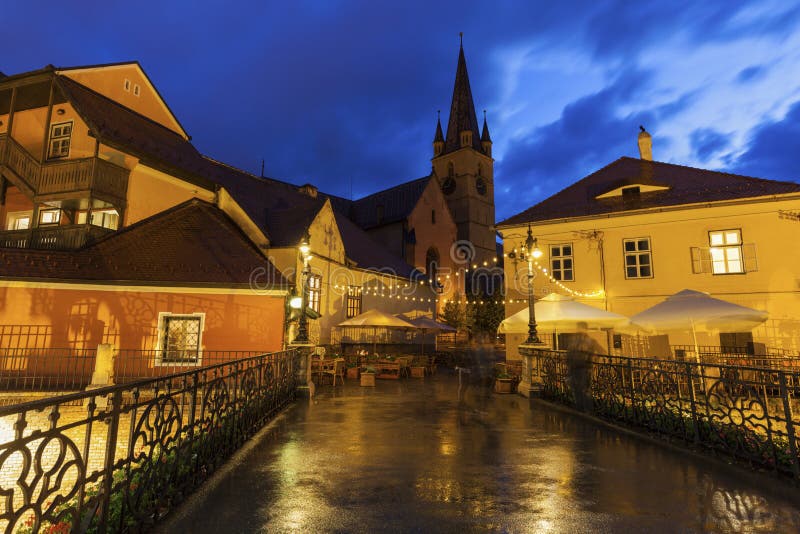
pixel 428 177
pixel 745 176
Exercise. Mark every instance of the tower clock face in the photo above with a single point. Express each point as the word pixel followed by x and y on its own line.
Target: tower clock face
pixel 480 185
pixel 449 186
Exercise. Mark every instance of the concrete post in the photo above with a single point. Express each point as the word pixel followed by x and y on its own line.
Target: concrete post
pixel 103 374
pixel 530 384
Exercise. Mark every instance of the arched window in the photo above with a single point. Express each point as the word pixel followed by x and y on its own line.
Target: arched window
pixel 432 264
pixel 480 169
pixel 451 169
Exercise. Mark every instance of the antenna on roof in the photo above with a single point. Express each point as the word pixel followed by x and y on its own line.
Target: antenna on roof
pixel 262 167
pixel 642 128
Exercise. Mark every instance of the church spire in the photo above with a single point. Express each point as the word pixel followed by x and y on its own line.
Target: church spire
pixel 462 126
pixel 485 133
pixel 438 139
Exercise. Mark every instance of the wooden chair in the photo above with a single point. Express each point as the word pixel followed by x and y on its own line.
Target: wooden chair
pixel 336 370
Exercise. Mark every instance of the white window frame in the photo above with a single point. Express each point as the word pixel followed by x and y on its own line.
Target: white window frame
pixel 726 253
pixel 162 330
pixel 57 136
pixel 44 213
pixel 315 304
pixel 636 253
pixel 560 257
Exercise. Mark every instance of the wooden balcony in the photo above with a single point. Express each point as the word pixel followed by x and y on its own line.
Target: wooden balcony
pixel 91 176
pixel 66 237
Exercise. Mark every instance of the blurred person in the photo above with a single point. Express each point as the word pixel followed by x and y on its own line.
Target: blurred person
pixel 580 349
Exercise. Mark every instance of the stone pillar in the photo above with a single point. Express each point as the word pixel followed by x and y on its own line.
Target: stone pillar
pixel 530 384
pixel 302 365
pixel 103 374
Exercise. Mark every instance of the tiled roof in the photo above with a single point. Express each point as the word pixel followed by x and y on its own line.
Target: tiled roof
pixel 366 252
pixel 396 202
pixel 685 185
pixel 192 243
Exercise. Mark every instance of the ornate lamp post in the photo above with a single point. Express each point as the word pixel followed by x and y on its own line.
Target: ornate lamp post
pixel 528 253
pixel 302 326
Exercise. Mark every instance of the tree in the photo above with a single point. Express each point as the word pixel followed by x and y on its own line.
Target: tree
pixel 487 315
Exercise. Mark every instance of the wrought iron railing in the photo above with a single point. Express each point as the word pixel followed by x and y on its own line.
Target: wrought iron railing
pixel 116 459
pixel 745 412
pixel 130 364
pixel 23 369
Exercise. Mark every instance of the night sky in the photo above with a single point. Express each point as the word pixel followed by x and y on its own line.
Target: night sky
pixel 344 94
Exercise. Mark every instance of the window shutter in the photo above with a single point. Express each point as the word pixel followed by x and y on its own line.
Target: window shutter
pixel 701 260
pixel 749 255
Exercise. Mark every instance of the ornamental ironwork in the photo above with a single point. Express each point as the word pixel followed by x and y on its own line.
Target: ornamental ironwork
pixel 748 413
pixel 116 459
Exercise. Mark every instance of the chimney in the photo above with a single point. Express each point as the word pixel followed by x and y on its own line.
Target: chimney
pixel 645 145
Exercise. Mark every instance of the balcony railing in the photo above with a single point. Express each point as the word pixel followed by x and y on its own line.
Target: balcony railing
pixel 66 237
pixel 95 175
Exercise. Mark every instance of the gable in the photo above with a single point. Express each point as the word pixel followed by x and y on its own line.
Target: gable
pixel 127 84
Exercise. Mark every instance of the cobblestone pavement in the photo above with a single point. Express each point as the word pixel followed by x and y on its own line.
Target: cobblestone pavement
pixel 427 456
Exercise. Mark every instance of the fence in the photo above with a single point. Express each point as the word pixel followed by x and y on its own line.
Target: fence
pixel 741 411
pixel 23 369
pixel 118 458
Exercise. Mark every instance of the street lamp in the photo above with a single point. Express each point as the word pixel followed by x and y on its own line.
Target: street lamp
pixel 530 252
pixel 302 325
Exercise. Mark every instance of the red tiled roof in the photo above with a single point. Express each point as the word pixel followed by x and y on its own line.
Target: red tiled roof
pixel 194 243
pixel 686 185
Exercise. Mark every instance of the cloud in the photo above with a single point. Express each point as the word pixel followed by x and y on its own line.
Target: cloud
pixel 773 149
pixel 590 133
pixel 751 73
pixel 707 142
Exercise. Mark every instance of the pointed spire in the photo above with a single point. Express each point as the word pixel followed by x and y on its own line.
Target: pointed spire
pixel 462 109
pixel 485 134
pixel 439 137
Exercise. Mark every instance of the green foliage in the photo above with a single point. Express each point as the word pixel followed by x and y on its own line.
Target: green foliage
pixel 457 315
pixel 487 316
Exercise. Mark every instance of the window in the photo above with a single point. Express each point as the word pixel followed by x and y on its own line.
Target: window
pixel 726 251
pixel 136 90
pixel 353 301
pixel 433 216
pixel 20 220
pixel 105 218
pixel 60 135
pixel 314 291
pixel 451 169
pixel 49 217
pixel 638 258
pixel 180 337
pixel 480 185
pixel 127 85
pixel 561 267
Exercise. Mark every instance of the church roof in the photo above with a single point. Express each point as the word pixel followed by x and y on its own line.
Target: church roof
pixel 388 206
pixel 662 184
pixel 439 136
pixel 485 132
pixel 462 110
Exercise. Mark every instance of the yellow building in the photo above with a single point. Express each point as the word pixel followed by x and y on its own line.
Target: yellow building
pixel 637 231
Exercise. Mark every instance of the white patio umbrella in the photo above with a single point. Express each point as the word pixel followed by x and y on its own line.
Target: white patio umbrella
pixel 559 312
pixel 376 319
pixel 694 311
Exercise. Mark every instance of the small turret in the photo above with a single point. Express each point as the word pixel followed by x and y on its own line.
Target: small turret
pixel 438 139
pixel 486 140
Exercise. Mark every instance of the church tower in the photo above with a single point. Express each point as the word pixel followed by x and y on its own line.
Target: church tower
pixel 462 162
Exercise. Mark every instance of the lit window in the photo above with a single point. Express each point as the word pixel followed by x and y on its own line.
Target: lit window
pixel 20 220
pixel 180 338
pixel 638 258
pixel 49 217
pixel 726 251
pixel 127 85
pixel 314 291
pixel 105 218
pixel 353 301
pixel 136 90
pixel 561 266
pixel 60 135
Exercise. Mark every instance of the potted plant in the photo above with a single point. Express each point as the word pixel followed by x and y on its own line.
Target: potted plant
pixel 368 376
pixel 353 370
pixel 503 383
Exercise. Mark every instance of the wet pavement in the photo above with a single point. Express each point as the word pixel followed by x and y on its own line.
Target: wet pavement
pixel 424 456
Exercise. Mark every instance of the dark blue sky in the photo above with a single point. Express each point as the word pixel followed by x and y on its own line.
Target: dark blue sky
pixel 336 93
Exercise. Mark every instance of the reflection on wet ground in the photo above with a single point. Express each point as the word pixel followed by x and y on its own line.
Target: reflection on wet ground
pixel 416 455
